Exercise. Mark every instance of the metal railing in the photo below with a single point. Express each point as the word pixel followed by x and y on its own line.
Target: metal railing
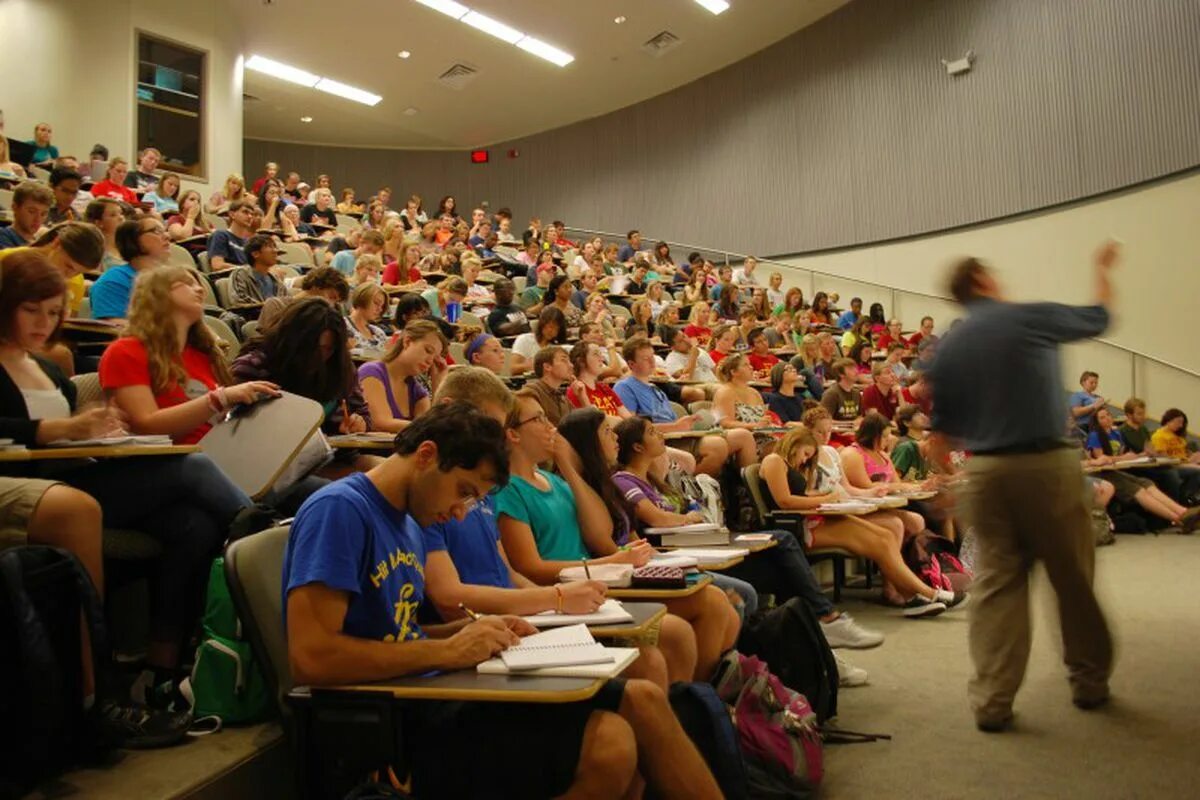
pixel 729 258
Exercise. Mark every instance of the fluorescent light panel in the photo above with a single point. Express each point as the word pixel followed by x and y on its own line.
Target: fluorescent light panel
pixel 493 27
pixel 715 6
pixel 447 7
pixel 542 50
pixel 349 92
pixel 282 71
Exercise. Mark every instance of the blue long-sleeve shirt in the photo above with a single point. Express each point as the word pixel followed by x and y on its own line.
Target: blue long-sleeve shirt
pixel 996 376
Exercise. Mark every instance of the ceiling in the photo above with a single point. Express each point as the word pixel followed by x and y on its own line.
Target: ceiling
pixel 514 93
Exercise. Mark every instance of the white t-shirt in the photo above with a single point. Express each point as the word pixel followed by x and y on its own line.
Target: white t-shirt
pixel 526 345
pixel 704 370
pixel 742 279
pixel 829 472
pixel 46 404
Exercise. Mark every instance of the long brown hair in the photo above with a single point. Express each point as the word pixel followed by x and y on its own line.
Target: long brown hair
pixel 29 277
pixel 414 331
pixel 151 322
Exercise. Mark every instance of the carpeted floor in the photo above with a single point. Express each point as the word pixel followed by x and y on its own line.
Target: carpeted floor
pixel 1143 745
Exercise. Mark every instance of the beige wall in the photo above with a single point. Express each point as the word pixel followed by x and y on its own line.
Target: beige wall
pixel 1047 257
pixel 72 64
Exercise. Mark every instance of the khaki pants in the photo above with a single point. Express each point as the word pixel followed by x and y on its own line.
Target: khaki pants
pixel 1026 508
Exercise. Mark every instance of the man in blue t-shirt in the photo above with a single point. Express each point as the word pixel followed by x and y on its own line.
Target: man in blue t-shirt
pixel 353 578
pixel 1085 403
pixel 849 317
pixel 226 248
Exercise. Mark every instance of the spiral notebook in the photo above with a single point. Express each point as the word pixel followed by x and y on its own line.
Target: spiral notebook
pixel 572 646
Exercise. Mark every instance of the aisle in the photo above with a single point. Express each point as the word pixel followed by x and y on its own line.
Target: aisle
pixel 1143 745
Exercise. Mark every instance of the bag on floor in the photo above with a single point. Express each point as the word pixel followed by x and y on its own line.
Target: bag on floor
pixel 705 718
pixel 1102 527
pixel 933 559
pixel 777 729
pixel 226 681
pixel 789 639
pixel 44 729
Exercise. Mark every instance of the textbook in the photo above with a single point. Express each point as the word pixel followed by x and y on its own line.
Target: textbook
pixel 150 439
pixel 849 507
pixel 572 646
pixel 703 557
pixel 610 612
pixel 700 533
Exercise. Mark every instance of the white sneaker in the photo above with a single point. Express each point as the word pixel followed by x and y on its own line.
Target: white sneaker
pixel 923 607
pixel 845 632
pixel 850 675
pixel 952 599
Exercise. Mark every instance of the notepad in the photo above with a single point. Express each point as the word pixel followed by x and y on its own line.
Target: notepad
pixel 852 507
pixel 622 658
pixel 571 646
pixel 610 612
pixel 704 556
pixel 149 439
pixel 699 527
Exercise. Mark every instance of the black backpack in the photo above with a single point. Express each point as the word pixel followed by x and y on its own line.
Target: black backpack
pixel 790 640
pixel 45 728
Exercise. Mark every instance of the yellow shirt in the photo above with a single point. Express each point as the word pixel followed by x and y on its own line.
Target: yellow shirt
pixel 1168 443
pixel 76 288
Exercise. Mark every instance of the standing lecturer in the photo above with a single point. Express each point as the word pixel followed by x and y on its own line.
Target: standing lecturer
pixel 998 395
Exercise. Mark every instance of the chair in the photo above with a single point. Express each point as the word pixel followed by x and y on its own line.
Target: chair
pixel 295 253
pixel 225 334
pixel 254 570
pixel 87 388
pixel 6 198
pixel 202 262
pixel 679 410
pixel 180 257
pixel 620 312
pixel 458 352
pixel 249 329
pixel 217 223
pixel 699 405
pixel 794 522
pixel 519 282
pixel 85 308
pixel 39 174
pixel 210 298
pixel 467 319
pixel 224 292
pixel 346 224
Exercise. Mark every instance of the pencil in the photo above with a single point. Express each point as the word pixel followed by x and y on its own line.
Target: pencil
pixel 587 572
pixel 469 612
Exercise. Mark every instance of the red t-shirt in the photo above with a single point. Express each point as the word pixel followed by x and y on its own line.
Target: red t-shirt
pixel 886 340
pixel 602 397
pixel 698 332
pixel 762 363
pixel 125 363
pixel 873 399
pixel 391 274
pixel 116 191
pixel 716 356
pixel 924 403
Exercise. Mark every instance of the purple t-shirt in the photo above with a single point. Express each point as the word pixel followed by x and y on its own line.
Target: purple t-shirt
pixel 378 371
pixel 636 490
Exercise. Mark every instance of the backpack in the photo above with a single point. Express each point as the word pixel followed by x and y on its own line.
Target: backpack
pixel 789 639
pixel 226 681
pixel 45 727
pixel 1102 527
pixel 777 729
pixel 695 493
pixel 705 718
pixel 932 559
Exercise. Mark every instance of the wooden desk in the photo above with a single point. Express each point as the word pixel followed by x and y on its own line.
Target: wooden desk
pixel 1119 467
pixel 645 617
pixel 98 451
pixel 356 441
pixel 677 435
pixel 471 685
pixel 362 356
pixel 93 327
pixel 658 595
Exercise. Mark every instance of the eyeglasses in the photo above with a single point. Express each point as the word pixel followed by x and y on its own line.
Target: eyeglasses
pixel 542 418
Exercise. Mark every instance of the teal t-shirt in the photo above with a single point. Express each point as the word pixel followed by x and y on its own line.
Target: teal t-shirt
pixel 550 515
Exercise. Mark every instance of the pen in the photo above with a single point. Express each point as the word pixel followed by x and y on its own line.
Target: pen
pixel 469 612
pixel 587 573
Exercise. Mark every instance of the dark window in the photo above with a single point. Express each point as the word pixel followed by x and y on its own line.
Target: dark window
pixel 170 104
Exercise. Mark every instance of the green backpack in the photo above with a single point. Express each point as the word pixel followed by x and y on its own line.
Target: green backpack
pixel 226 681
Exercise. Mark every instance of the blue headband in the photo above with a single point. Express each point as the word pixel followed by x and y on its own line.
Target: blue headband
pixel 476 343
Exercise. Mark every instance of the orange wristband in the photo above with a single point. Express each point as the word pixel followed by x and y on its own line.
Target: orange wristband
pixel 559 604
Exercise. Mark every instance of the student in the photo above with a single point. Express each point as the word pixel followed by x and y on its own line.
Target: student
pixel 1085 403
pixel 31 204
pixel 367 304
pixel 225 247
pixel 850 317
pixel 485 351
pixel 783 400
pixel 1171 439
pixel 724 342
pixel 143 179
pixel 144 245
pixel 320 211
pixel 760 356
pixel 918 392
pixel 1105 449
pixel 6 162
pixel 370 243
pixel 908 454
pixel 466 562
pixel 551 369
pixel 775 293
pixel 843 400
pixel 336 614
pixel 687 360
pixel 395 395
pixel 1181 483
pixel 533 296
pixel 366 270
pixel 64 183
pixel 347 205
pixel 406 268
pixel 506 318
pixel 636 285
pixel 882 395
pixel 727 305
pixel 558 295
pixel 189 220
pixel 551 330
pixel 925 334
pixel 633 242
pixel 184 502
pixel 451 290
pixel 107 215
pixel 477 293
pixel 599 315
pixel 43 151
pixel 75 248
pixel 324 282
pixel 787 573
pixel 254 283
pixel 790 477
pixel 891 336
pixel 113 185
pixel 737 404
pixel 640 321
pixel 270 171
pixel 894 362
pixel 270 201
pixel 860 333
pixel 231 191
pixel 820 314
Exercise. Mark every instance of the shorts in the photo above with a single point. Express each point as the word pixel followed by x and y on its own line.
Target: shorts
pixel 499 750
pixel 19 498
pixel 1126 486
pixel 673 391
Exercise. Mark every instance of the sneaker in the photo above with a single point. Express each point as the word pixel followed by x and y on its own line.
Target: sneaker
pixel 999 725
pixel 952 599
pixel 850 675
pixel 923 607
pixel 141 728
pixel 845 632
pixel 167 697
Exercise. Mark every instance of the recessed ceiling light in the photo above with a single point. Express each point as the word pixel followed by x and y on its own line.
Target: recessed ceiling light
pixel 447 7
pixel 715 6
pixel 282 71
pixel 620 20
pixel 306 119
pixel 410 112
pixel 348 92
pixel 493 27
pixel 403 54
pixel 543 50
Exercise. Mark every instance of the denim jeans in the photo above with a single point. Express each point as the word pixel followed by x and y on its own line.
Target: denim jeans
pixel 784 571
pixel 747 592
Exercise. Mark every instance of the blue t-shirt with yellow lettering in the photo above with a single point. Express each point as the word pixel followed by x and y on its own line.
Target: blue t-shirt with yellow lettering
pixel 348 537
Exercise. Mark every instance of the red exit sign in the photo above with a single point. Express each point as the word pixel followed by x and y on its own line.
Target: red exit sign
pixel 479 156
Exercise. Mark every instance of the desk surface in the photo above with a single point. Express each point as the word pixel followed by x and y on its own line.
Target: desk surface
pixel 1149 464
pixel 98 451
pixel 358 442
pixel 674 435
pixel 645 617
pixel 659 594
pixel 471 685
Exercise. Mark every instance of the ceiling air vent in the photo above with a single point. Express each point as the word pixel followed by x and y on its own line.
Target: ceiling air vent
pixel 458 76
pixel 663 42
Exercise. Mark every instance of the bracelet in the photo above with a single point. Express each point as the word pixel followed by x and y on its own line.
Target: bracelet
pixel 224 400
pixel 214 402
pixel 558 608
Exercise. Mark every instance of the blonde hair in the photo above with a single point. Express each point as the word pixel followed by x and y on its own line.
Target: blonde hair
pixel 364 294
pixel 414 331
pixel 241 182
pixel 727 366
pixel 474 385
pixel 692 315
pixel 113 164
pixel 151 323
pixel 791 443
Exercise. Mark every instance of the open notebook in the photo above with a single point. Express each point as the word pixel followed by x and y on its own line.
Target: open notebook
pixel 569 651
pixel 610 612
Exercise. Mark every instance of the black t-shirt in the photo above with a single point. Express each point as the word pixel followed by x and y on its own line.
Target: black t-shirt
pixel 797 486
pixel 143 181
pixel 511 315
pixel 326 217
pixel 788 409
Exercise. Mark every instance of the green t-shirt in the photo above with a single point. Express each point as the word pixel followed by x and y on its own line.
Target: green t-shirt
pixel 550 515
pixel 910 465
pixel 532 296
pixel 1136 439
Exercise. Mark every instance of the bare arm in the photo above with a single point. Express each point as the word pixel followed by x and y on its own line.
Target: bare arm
pixel 1106 258
pixel 145 417
pixel 382 418
pixel 594 521
pixel 774 475
pixel 855 469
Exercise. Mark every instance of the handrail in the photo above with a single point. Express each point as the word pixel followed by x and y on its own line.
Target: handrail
pixel 1135 354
